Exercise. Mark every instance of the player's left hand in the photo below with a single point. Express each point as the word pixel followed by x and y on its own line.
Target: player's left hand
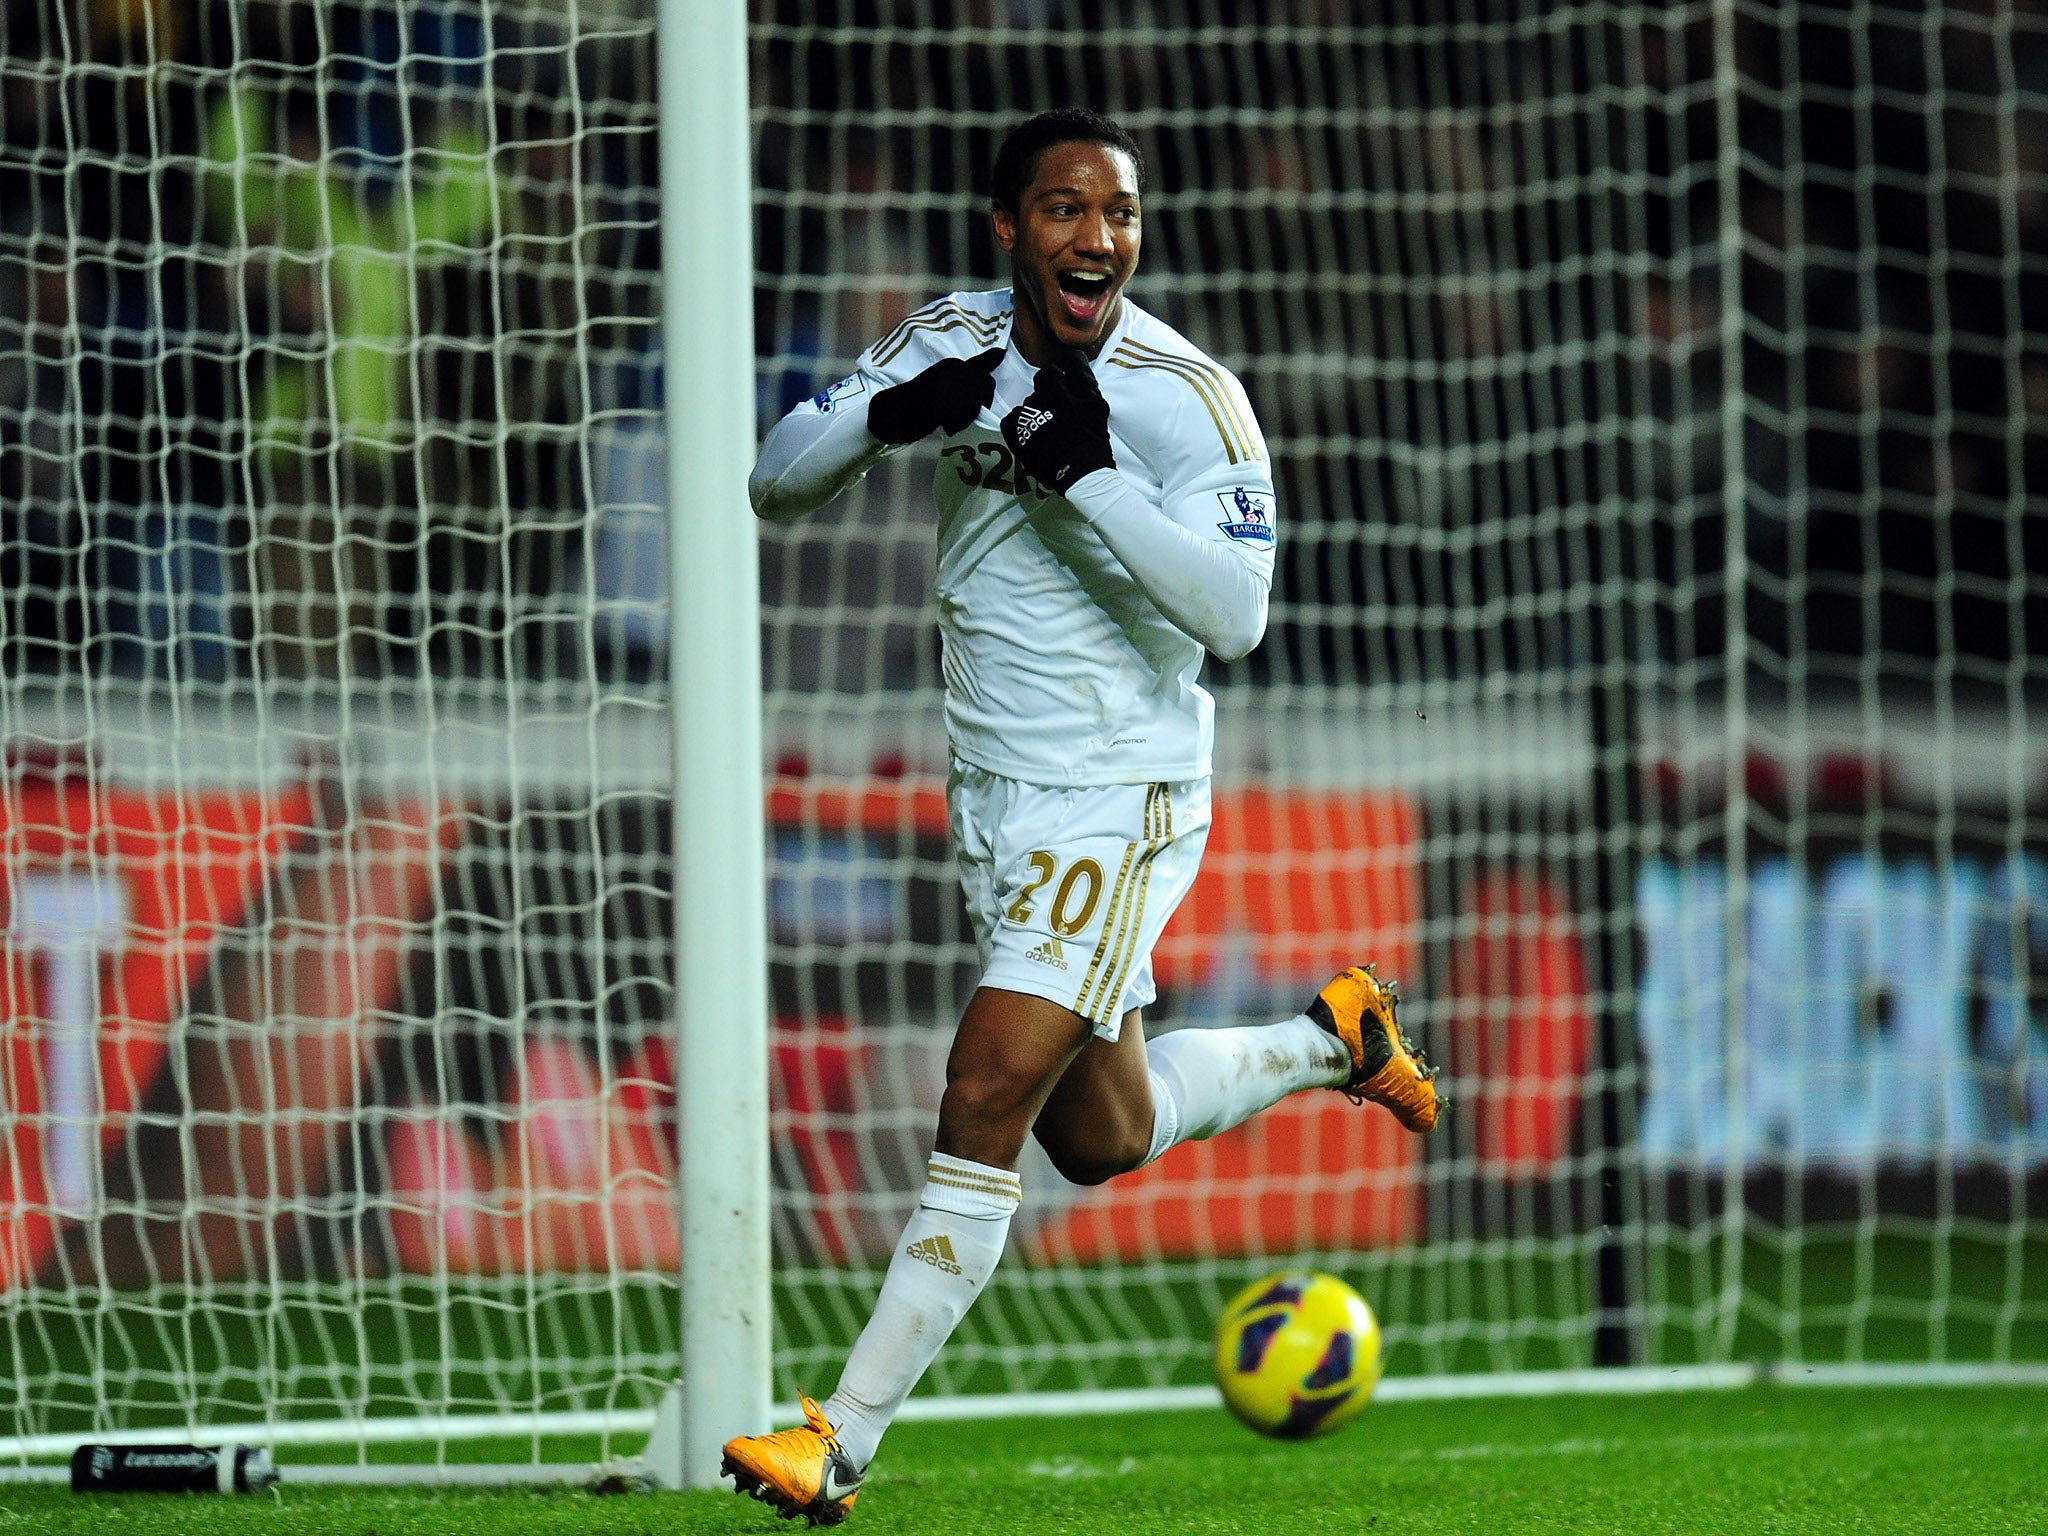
pixel 1061 431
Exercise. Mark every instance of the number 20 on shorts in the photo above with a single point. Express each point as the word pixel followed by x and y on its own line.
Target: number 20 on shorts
pixel 1074 899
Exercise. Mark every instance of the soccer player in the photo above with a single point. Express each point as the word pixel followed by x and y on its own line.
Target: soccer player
pixel 1106 514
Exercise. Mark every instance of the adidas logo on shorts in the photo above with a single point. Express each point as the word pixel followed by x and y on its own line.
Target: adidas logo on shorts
pixel 937 1252
pixel 1048 953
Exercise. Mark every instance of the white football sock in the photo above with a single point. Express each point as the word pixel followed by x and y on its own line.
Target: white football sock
pixel 1207 1080
pixel 946 1254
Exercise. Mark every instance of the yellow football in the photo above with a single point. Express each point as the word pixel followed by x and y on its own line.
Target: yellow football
pixel 1297 1354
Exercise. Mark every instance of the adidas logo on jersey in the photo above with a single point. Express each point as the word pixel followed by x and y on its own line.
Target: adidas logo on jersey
pixel 937 1252
pixel 1048 953
pixel 1029 419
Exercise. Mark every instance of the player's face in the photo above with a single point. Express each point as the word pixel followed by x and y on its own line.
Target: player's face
pixel 1073 244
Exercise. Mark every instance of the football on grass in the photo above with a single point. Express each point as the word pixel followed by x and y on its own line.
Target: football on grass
pixel 1297 1354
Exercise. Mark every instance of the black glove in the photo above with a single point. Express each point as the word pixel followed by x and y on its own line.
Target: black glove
pixel 1061 431
pixel 948 394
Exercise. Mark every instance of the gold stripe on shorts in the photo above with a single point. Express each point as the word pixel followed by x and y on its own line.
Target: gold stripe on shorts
pixel 1119 904
pixel 1114 992
pixel 1119 929
pixel 1116 896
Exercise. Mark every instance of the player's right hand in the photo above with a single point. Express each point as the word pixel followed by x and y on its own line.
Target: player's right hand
pixel 948 395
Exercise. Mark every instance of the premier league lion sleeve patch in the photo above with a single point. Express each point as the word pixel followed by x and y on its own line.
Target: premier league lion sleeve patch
pixel 1247 515
pixel 826 401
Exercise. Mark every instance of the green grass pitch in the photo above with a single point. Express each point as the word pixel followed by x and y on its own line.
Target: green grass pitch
pixel 1768 1459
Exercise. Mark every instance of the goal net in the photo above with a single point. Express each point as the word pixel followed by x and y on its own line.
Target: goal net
pixel 1653 392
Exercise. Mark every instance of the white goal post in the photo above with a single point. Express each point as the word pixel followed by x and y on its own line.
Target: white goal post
pixel 721 955
pixel 444 1003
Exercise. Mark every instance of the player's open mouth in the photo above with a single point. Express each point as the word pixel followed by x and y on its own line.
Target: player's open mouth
pixel 1082 294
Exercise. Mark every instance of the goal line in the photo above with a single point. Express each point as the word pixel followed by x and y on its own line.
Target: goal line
pixel 1621 1381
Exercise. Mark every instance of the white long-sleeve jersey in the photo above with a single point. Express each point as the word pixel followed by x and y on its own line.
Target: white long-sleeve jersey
pixel 1073 626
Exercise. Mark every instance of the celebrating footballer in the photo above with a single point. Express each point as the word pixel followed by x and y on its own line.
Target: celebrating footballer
pixel 1106 514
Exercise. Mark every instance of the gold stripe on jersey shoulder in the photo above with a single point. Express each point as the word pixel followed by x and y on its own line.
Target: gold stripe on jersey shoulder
pixel 931 314
pixel 941 317
pixel 1208 367
pixel 1233 446
pixel 1208 381
pixel 950 322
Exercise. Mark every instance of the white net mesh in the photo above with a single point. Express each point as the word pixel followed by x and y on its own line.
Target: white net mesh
pixel 1476 269
pixel 334 817
pixel 1423 245
pixel 333 821
pixel 1840 1006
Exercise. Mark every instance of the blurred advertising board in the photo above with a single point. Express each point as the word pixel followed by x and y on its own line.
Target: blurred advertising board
pixel 1890 1010
pixel 284 1026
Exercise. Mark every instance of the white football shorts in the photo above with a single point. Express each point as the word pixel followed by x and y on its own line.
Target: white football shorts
pixel 1070 888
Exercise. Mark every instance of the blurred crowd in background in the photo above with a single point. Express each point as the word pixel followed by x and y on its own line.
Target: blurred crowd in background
pixel 297 307
pixel 327 341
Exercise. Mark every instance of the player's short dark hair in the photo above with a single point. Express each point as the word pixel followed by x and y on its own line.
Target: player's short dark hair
pixel 1017 159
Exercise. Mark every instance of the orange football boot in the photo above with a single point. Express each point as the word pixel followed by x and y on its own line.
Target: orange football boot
pixel 1358 1008
pixel 800 1471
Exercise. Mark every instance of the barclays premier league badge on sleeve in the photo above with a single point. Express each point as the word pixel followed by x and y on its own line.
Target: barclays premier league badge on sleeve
pixel 829 400
pixel 1248 515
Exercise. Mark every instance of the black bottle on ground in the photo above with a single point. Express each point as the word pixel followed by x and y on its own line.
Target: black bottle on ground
pixel 171 1469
